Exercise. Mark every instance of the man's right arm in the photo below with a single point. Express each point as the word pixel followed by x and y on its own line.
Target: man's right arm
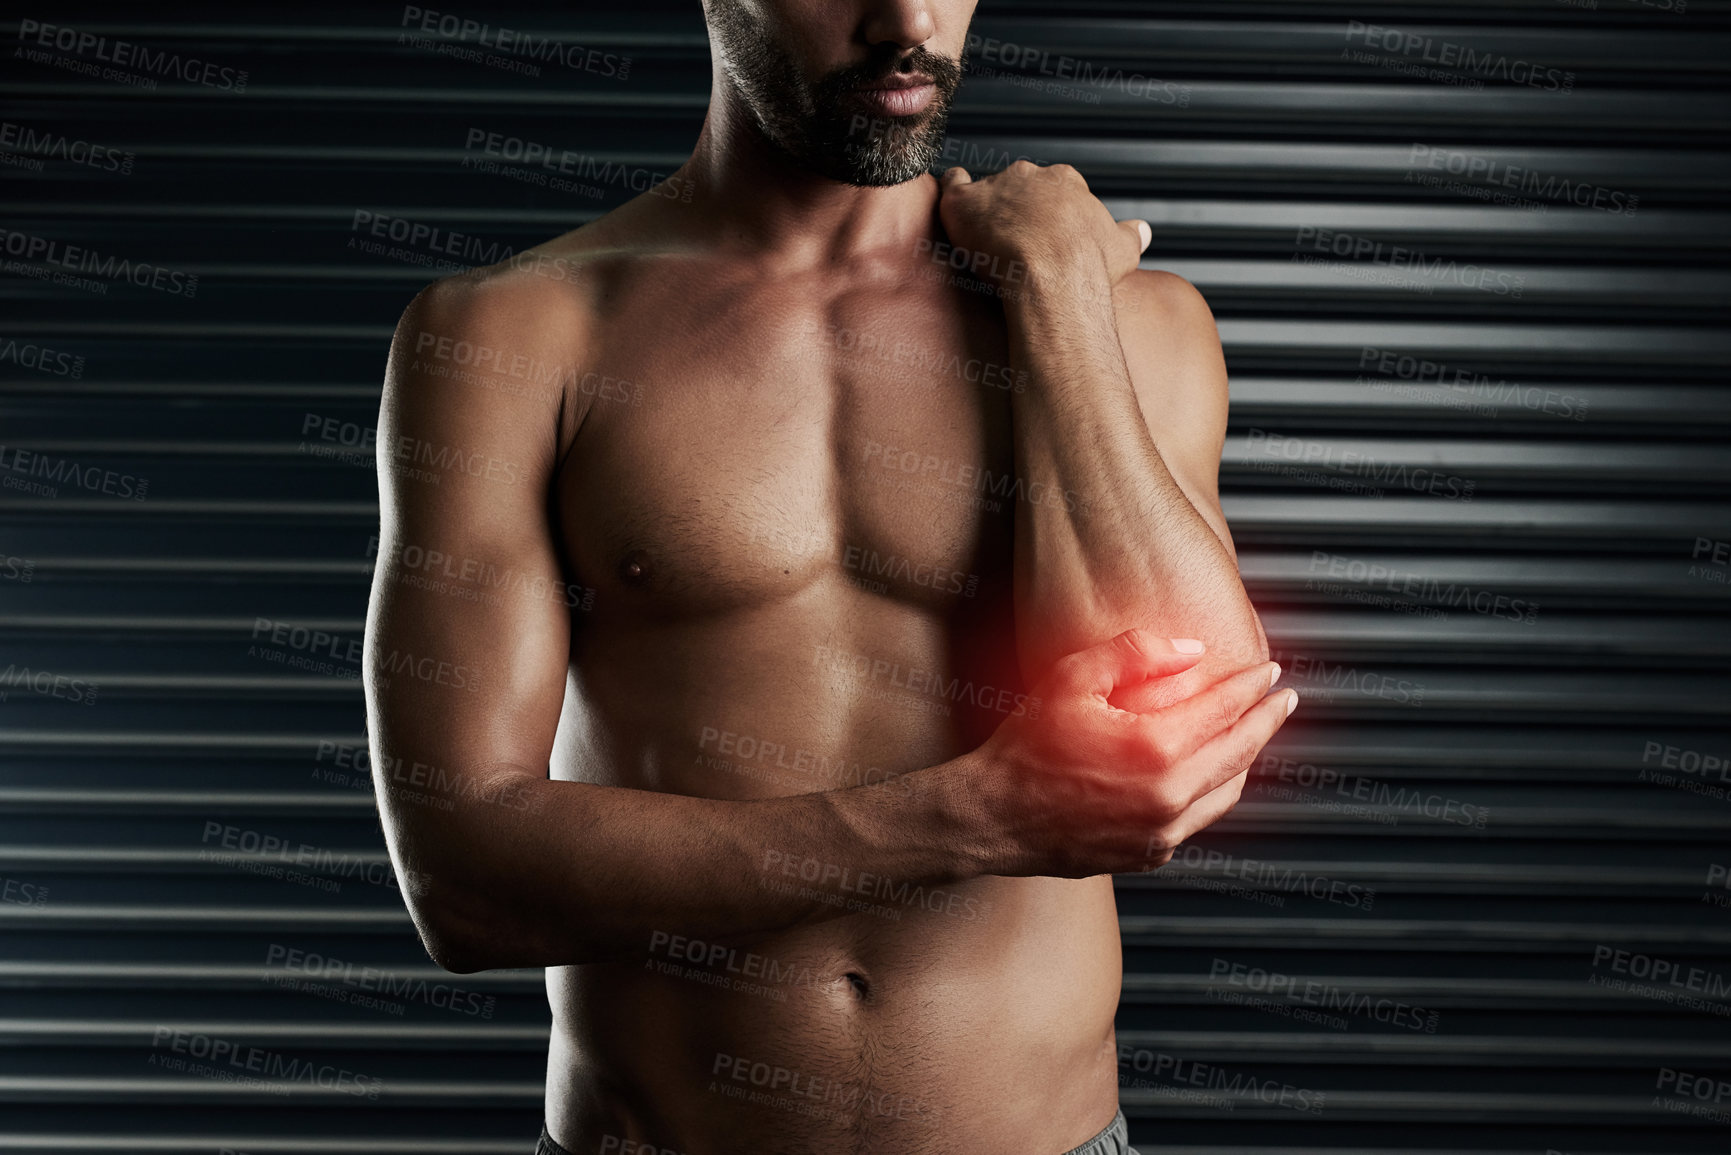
pixel 466 664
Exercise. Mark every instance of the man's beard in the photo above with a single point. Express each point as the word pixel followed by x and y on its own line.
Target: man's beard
pixel 827 127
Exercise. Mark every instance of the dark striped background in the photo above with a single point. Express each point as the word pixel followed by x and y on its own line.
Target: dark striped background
pixel 119 928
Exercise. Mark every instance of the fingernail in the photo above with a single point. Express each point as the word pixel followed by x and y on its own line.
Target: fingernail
pixel 1291 702
pixel 1146 233
pixel 1275 676
pixel 1187 645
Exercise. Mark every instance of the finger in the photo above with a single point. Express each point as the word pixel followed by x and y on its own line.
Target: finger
pixel 1138 232
pixel 1133 656
pixel 1230 754
pixel 1180 730
pixel 955 176
pixel 1211 808
pixel 1124 253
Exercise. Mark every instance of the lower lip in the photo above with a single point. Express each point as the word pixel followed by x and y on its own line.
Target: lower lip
pixel 899 101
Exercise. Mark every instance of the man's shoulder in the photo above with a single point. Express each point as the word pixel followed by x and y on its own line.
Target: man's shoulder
pixel 522 298
pixel 1165 307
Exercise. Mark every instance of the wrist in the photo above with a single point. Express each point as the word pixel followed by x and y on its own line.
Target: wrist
pixel 965 815
pixel 1066 284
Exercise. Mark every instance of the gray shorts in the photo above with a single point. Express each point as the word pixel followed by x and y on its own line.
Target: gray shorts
pixel 1113 1140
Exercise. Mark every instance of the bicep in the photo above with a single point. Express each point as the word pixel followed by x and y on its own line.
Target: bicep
pixel 469 623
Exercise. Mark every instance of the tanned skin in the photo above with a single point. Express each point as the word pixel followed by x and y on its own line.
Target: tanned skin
pixel 730 537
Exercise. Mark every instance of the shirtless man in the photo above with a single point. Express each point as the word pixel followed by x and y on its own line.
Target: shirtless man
pixel 778 622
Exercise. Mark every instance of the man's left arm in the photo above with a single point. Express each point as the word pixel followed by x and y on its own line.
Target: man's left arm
pixel 1117 439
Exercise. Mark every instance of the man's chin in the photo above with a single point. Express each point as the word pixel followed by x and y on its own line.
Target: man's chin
pixel 881 151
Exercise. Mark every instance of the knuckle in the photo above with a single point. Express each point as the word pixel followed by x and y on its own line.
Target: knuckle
pixel 1162 751
pixel 1165 801
pixel 1221 714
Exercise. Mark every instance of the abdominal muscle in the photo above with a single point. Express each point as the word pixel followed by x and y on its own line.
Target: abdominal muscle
pixel 957 1018
pixel 933 1032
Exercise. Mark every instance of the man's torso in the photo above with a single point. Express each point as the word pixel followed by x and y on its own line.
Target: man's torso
pixel 793 497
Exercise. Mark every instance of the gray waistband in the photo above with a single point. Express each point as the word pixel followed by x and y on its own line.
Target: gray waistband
pixel 1114 1140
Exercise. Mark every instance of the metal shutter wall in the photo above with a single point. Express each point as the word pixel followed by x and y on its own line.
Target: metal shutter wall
pixel 1475 897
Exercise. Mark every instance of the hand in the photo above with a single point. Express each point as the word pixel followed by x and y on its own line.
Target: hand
pixel 1086 788
pixel 1036 217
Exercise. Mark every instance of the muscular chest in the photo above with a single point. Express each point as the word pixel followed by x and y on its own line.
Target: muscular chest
pixel 769 447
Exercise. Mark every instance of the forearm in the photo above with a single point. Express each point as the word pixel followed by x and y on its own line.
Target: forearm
pixel 571 873
pixel 1108 539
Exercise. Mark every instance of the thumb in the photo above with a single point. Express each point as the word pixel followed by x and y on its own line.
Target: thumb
pixel 956 175
pixel 1132 657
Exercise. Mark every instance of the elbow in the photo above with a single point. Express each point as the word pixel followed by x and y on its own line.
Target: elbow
pixel 459 930
pixel 454 944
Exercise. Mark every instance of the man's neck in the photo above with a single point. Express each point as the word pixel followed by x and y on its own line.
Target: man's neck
pixel 759 197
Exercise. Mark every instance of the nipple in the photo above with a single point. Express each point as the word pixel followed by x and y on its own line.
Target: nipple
pixel 634 569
